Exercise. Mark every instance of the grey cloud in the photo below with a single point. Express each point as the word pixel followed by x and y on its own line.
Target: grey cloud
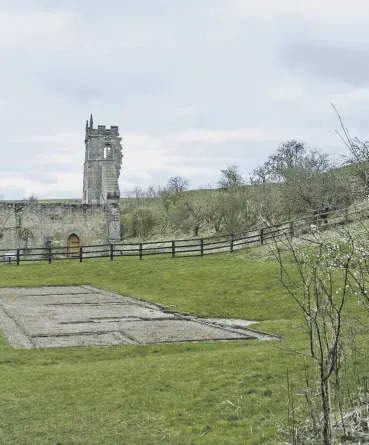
pixel 145 8
pixel 27 158
pixel 339 63
pixel 67 194
pixel 13 193
pixel 44 178
pixel 137 64
pixel 60 168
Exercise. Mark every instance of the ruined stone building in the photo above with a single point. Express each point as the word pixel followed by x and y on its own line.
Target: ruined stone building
pixel 96 220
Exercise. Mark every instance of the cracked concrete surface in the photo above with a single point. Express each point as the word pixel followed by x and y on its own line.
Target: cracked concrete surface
pixel 72 316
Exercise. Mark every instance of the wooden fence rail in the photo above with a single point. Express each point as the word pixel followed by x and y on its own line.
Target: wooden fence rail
pixel 184 247
pixel 173 248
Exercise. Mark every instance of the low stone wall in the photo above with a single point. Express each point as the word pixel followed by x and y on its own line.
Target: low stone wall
pixel 30 225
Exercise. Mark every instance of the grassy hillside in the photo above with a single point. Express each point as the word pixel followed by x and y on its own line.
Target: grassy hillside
pixel 224 393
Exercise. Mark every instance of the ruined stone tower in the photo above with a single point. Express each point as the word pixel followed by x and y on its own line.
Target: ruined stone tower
pixel 103 160
pixel 27 225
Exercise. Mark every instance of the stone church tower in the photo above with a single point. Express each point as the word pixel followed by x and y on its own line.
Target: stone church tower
pixel 103 160
pixel 27 225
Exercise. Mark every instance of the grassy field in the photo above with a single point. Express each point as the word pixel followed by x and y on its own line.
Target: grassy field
pixel 182 394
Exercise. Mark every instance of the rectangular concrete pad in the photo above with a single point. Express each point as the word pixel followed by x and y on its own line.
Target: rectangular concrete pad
pixel 72 316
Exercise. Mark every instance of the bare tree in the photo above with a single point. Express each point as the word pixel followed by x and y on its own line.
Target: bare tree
pixel 322 304
pixel 152 192
pixel 135 197
pixel 310 189
pixel 177 184
pixel 142 222
pixel 230 177
pixel 358 245
pixel 172 192
pixel 359 154
pixel 305 180
pixel 267 198
pixel 236 212
pixel 289 155
pixel 191 213
pixel 33 199
pixel 260 175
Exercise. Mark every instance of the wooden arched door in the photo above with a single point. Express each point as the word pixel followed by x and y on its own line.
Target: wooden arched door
pixel 73 246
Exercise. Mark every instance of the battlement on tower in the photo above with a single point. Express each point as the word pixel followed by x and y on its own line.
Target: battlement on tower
pixel 101 130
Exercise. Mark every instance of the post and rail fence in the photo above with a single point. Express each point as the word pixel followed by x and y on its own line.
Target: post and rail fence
pixel 183 247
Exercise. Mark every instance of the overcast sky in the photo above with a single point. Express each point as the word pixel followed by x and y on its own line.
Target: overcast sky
pixel 194 85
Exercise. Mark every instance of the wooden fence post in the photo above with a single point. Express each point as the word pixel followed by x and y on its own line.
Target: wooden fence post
pixel 80 254
pixel 262 236
pixel 18 257
pixel 202 246
pixel 140 251
pixel 49 255
pixel 111 252
pixel 173 249
pixel 231 242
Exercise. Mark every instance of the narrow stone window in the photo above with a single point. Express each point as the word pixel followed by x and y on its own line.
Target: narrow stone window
pixel 107 151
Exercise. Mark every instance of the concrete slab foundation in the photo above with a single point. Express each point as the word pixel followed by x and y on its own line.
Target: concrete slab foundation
pixel 84 316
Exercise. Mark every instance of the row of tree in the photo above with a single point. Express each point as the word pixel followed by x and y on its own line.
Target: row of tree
pixel 294 180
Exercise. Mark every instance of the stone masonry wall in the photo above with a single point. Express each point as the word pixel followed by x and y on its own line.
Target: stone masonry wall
pixel 26 225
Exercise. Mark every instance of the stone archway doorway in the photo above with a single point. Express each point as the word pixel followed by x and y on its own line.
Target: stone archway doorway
pixel 73 246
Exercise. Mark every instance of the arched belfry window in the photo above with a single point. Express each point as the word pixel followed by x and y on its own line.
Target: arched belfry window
pixel 107 151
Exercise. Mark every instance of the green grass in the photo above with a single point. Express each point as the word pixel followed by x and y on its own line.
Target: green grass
pixel 205 393
pixel 216 285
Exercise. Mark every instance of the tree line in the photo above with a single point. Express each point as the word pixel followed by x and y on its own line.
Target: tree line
pixel 294 180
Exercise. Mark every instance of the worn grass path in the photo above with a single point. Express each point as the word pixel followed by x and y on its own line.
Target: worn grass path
pixel 205 393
